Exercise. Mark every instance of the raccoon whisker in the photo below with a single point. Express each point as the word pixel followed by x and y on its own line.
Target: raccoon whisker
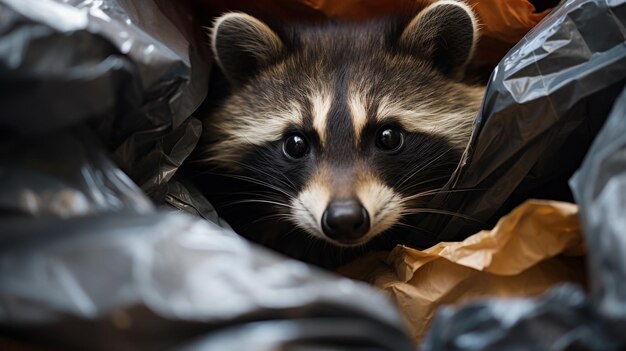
pixel 434 157
pixel 266 194
pixel 289 185
pixel 413 227
pixel 460 190
pixel 441 212
pixel 280 216
pixel 422 194
pixel 284 176
pixel 251 180
pixel 272 217
pixel 263 183
pixel 256 181
pixel 409 188
pixel 239 202
pixel 440 191
pixel 270 176
pixel 419 168
pixel 246 195
pixel 282 236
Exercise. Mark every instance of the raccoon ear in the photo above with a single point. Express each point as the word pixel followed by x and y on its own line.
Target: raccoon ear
pixel 242 45
pixel 444 33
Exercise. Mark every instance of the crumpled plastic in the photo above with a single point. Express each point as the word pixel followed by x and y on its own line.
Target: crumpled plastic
pixel 566 317
pixel 134 71
pixel 165 280
pixel 37 180
pixel 533 248
pixel 562 319
pixel 600 187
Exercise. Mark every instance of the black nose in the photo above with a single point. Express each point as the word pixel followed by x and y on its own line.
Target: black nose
pixel 345 220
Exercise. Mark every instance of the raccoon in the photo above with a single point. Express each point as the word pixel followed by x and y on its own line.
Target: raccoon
pixel 336 135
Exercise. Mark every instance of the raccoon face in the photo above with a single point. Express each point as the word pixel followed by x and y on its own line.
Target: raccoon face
pixel 343 130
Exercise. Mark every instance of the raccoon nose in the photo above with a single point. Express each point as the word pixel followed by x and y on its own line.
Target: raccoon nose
pixel 345 220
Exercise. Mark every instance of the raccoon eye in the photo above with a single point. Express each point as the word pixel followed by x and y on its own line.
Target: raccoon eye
pixel 389 139
pixel 295 146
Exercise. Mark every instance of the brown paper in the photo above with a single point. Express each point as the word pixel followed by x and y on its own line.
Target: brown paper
pixel 531 249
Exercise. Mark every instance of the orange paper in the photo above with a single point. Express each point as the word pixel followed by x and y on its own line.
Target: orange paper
pixel 531 249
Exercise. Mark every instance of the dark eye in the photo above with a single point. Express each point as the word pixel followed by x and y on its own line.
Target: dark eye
pixel 295 146
pixel 389 138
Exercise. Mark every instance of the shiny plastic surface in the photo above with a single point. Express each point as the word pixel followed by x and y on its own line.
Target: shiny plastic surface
pixel 166 280
pixel 566 318
pixel 135 71
pixel 600 187
pixel 64 175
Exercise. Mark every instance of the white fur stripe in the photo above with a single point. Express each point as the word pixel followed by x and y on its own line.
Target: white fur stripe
pixel 320 105
pixel 309 206
pixel 358 111
pixel 240 133
pixel 383 204
pixel 433 119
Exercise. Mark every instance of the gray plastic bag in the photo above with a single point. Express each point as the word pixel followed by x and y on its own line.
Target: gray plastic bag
pixel 565 318
pixel 586 42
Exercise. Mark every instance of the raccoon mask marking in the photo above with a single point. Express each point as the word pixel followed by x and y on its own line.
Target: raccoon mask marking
pixel 341 131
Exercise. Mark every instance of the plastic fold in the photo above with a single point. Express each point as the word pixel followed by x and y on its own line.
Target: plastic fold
pixel 565 318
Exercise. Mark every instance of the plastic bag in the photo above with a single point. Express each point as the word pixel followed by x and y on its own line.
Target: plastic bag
pixel 163 280
pixel 565 318
pixel 133 71
pixel 600 188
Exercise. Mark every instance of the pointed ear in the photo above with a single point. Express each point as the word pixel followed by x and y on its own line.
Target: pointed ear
pixel 242 45
pixel 444 33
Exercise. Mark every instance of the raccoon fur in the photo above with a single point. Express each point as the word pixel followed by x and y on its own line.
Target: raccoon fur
pixel 335 136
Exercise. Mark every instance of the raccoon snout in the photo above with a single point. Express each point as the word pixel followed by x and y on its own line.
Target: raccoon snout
pixel 345 220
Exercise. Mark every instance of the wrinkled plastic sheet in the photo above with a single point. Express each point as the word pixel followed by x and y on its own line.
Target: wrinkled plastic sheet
pixel 39 181
pixel 165 280
pixel 135 71
pixel 95 92
pixel 600 188
pixel 565 318
pixel 545 102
